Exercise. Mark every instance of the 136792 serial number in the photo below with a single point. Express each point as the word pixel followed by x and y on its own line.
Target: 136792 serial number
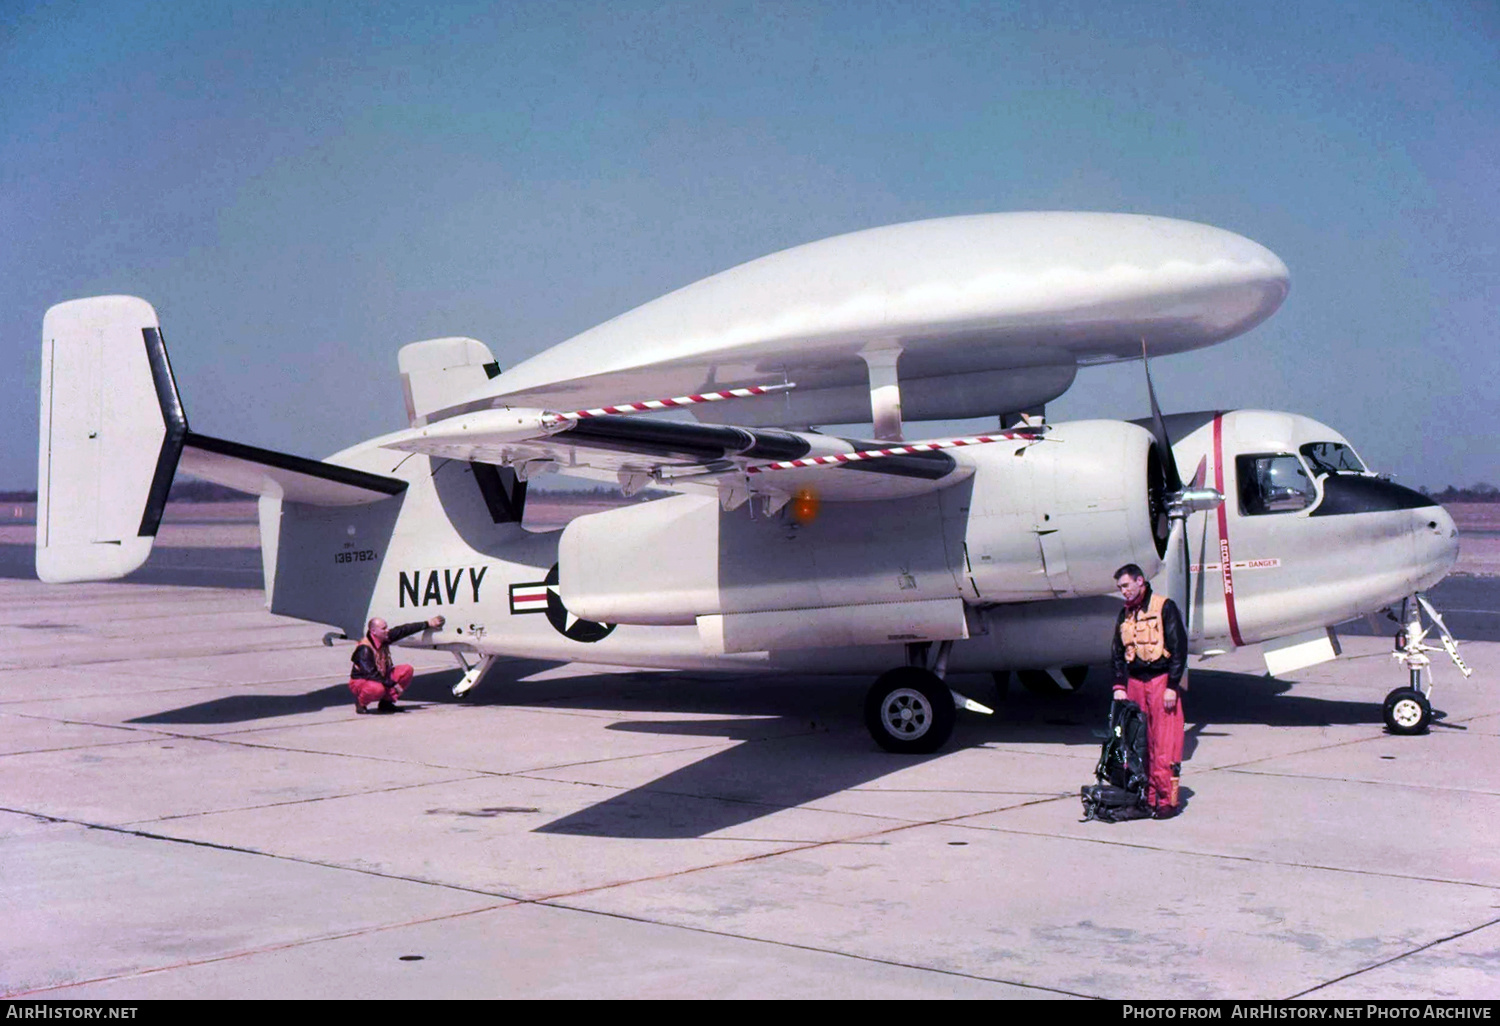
pixel 354 556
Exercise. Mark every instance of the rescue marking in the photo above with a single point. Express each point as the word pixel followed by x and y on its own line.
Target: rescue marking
pixel 681 400
pixel 1224 558
pixel 1243 564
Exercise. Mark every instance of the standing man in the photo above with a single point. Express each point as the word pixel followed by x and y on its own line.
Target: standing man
pixel 1150 655
pixel 373 679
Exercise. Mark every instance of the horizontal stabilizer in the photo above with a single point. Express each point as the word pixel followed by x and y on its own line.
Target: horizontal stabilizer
pixel 113 434
pixel 294 478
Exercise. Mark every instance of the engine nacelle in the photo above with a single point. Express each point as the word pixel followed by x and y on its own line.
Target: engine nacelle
pixel 1034 520
pixel 1058 518
pixel 674 560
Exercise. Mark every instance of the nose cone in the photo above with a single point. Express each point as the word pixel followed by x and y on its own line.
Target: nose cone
pixel 1436 545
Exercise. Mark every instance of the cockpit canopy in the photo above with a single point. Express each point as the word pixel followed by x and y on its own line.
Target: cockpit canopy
pixel 1284 483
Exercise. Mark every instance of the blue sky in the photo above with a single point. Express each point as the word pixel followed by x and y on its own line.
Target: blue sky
pixel 302 188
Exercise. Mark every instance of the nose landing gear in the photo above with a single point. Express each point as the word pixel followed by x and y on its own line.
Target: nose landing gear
pixel 1408 710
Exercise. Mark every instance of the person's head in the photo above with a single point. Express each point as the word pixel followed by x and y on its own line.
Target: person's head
pixel 377 630
pixel 1131 582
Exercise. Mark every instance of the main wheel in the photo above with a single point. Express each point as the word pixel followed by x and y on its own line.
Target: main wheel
pixel 910 711
pixel 1040 682
pixel 1407 711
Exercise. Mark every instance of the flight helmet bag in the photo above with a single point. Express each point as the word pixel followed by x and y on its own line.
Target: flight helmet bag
pixel 1120 793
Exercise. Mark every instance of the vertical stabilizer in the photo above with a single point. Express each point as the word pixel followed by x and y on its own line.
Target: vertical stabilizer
pixel 111 431
pixel 441 372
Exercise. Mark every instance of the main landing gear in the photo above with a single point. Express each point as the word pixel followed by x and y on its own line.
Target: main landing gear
pixel 910 710
pixel 1408 710
pixel 471 673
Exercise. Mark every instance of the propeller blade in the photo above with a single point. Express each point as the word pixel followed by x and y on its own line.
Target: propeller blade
pixel 1179 570
pixel 1159 429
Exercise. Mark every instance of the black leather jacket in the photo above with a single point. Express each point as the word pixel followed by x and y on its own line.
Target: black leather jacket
pixel 365 665
pixel 1173 636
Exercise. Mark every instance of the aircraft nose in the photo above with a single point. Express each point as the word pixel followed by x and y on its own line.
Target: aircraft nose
pixel 1437 544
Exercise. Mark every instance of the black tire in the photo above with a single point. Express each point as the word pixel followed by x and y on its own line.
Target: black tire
pixel 909 711
pixel 1040 682
pixel 1407 711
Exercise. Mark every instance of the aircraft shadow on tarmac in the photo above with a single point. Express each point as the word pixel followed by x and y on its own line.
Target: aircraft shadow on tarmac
pixel 245 708
pixel 801 743
pixel 798 742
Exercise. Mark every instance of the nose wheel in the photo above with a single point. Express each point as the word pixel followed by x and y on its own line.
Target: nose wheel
pixel 1408 710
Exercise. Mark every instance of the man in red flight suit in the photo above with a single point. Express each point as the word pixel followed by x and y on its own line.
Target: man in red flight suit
pixel 373 678
pixel 1150 656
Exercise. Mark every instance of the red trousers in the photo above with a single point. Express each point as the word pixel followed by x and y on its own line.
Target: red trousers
pixel 1163 739
pixel 368 692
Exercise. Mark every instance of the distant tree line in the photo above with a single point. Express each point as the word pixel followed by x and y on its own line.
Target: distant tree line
pixel 1481 492
pixel 207 491
pixel 185 490
pixel 190 490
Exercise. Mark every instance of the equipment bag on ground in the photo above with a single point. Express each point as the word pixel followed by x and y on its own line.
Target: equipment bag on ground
pixel 1120 793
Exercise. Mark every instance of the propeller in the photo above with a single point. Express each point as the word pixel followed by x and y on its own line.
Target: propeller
pixel 1177 503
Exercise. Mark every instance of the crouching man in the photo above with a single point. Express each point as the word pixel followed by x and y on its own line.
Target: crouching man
pixel 1150 655
pixel 373 679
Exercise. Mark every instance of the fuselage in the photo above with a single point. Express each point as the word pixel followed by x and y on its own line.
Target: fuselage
pixel 1306 538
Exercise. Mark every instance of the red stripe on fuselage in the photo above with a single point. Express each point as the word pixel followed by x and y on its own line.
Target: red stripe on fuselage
pixel 1224 557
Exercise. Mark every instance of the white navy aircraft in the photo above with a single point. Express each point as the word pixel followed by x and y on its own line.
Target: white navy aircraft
pixel 778 545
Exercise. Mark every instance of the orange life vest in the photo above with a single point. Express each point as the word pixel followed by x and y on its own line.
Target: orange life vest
pixel 1141 631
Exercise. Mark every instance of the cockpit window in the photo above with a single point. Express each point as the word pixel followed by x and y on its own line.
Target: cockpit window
pixel 1332 458
pixel 1277 483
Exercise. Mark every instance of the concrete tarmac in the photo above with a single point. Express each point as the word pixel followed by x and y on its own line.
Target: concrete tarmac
pixel 190 808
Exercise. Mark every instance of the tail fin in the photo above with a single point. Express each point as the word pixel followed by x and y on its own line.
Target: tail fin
pixel 113 432
pixel 440 372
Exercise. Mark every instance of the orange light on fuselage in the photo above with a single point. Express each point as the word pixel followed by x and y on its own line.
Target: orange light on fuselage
pixel 805 506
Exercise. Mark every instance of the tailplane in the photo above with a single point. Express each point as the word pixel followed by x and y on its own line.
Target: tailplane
pixel 114 434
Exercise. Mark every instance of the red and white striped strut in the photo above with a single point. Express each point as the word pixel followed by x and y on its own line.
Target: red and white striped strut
pixel 896 450
pixel 681 400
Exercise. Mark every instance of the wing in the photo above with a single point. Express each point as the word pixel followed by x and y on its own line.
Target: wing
pixel 609 444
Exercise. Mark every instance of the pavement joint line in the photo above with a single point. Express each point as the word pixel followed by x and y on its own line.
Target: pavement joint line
pixel 761 856
pixel 198 684
pixel 773 806
pixel 264 949
pixel 817 950
pixel 232 739
pixel 237 849
pixel 1393 958
pixel 1190 853
pixel 302 801
pixel 140 657
pixel 1363 780
pixel 1300 751
pixel 554 900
